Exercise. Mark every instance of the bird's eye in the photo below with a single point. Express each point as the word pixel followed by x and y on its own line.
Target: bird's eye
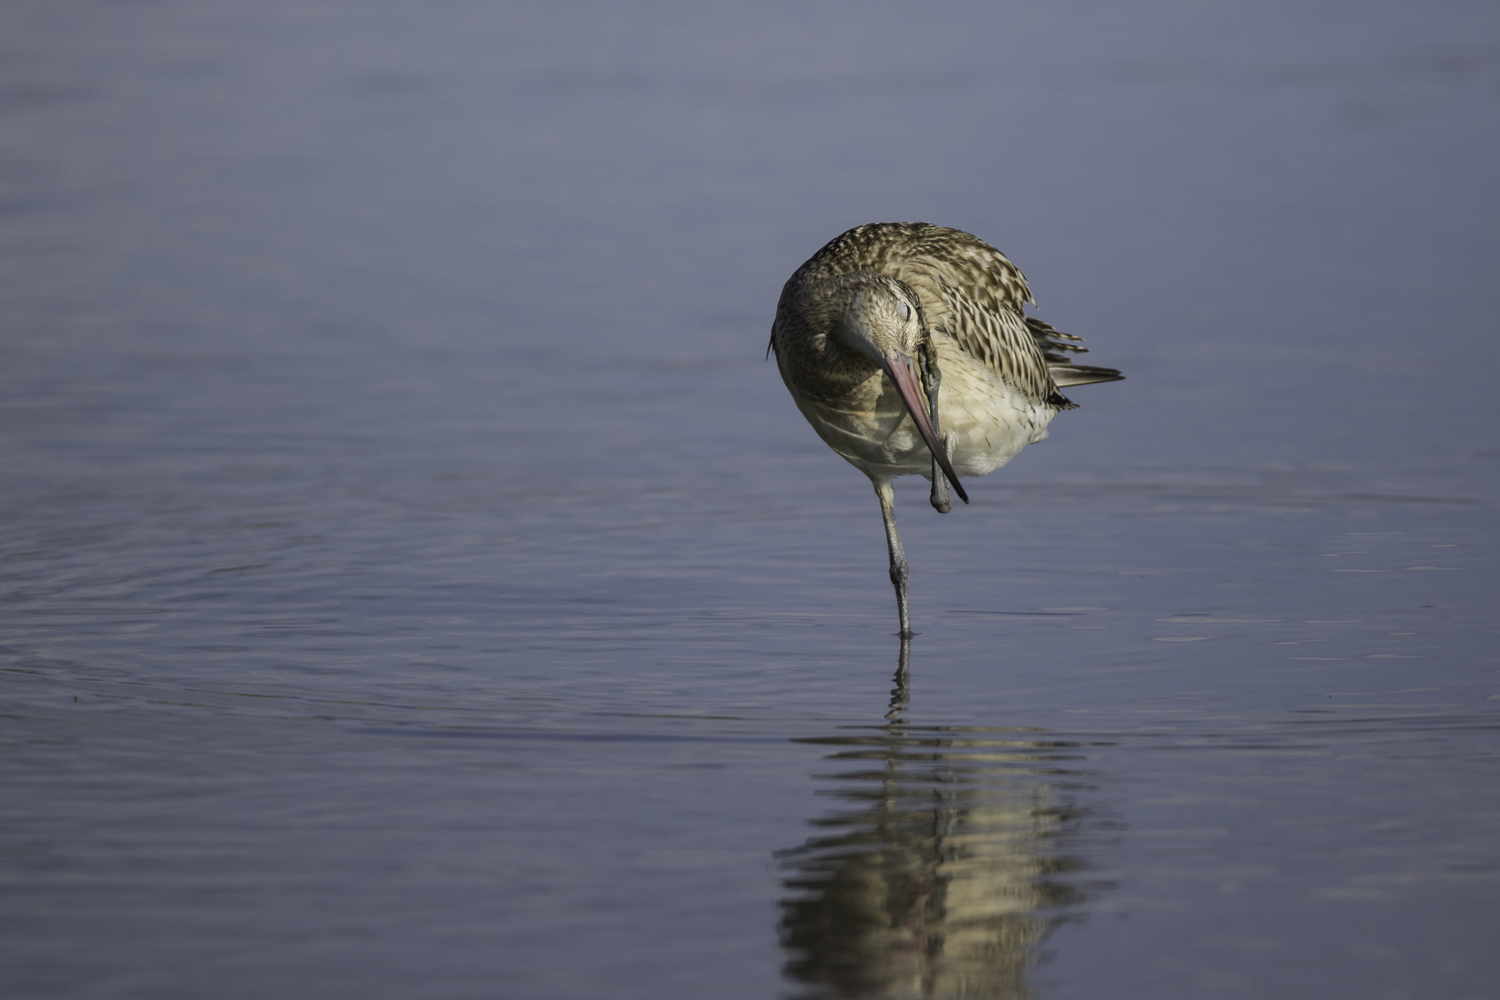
pixel 903 309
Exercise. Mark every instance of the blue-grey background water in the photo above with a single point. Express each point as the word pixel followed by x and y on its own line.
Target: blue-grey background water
pixel 416 583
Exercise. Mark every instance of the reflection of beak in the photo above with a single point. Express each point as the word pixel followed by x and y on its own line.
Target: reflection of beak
pixel 903 372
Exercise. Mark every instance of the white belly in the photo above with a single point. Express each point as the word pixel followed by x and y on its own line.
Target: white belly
pixel 985 421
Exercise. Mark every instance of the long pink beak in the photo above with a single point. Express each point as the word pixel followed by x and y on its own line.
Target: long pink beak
pixel 903 372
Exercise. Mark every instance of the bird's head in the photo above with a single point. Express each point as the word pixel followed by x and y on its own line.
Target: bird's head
pixel 882 320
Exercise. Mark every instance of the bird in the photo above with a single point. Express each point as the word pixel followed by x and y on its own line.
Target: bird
pixel 908 349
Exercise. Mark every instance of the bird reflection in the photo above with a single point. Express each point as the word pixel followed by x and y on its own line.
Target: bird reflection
pixel 939 874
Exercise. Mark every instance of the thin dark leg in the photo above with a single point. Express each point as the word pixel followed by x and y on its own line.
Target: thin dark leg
pixel 932 380
pixel 942 490
pixel 898 558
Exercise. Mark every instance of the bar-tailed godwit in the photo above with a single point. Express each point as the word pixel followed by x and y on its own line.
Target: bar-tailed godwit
pixel 870 328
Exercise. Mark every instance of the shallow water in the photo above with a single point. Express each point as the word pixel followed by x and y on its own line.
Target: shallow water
pixel 416 583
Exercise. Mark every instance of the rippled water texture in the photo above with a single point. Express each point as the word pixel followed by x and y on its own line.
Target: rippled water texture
pixel 414 582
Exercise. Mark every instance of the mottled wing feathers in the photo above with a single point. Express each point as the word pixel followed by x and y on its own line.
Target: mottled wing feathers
pixel 971 293
pixel 989 330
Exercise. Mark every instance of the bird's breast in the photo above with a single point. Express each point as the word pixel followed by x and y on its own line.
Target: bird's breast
pixel 985 421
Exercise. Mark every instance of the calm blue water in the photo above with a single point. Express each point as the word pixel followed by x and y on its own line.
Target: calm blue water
pixel 415 583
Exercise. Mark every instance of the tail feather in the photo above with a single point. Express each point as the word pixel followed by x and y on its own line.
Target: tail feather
pixel 1052 342
pixel 1069 374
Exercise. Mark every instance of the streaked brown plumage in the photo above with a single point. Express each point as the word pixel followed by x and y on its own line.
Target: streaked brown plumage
pixel 897 336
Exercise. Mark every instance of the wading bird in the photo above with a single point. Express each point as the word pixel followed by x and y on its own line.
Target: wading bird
pixel 870 329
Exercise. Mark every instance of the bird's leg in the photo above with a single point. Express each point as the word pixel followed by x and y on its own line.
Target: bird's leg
pixel 932 378
pixel 898 558
pixel 942 490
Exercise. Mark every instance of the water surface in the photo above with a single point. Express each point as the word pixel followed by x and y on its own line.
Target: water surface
pixel 415 582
